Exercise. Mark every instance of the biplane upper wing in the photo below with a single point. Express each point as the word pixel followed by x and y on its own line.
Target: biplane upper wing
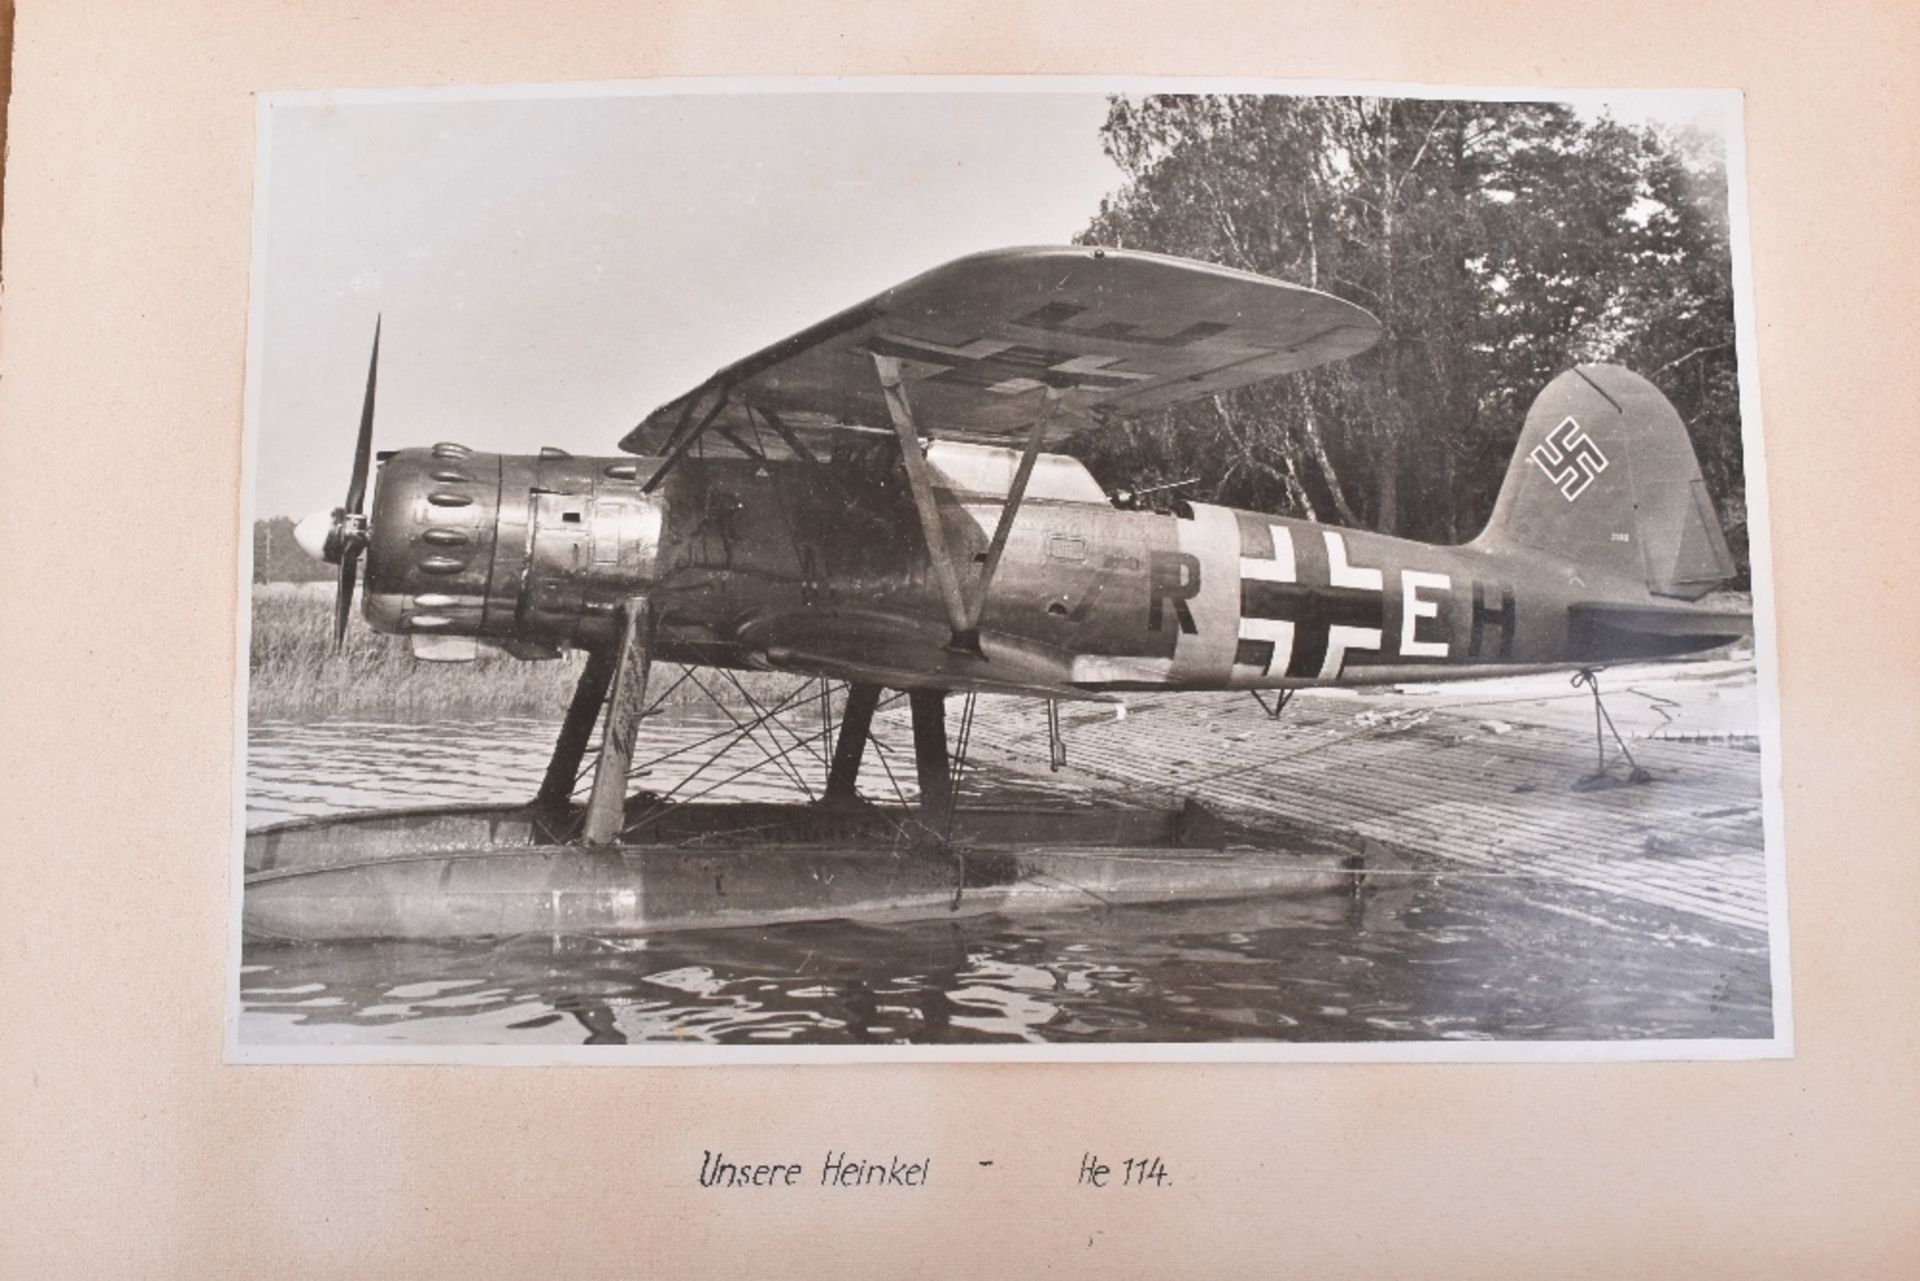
pixel 979 340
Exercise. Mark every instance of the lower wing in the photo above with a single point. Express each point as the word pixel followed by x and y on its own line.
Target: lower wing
pixel 900 653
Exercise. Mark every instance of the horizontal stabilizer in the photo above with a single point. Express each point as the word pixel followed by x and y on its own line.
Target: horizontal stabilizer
pixel 1601 632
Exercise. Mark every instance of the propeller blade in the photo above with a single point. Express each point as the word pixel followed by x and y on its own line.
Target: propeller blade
pixel 363 448
pixel 343 597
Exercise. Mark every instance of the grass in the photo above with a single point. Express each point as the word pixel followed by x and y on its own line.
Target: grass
pixel 293 673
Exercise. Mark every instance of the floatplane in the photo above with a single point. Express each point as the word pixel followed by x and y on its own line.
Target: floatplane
pixel 877 504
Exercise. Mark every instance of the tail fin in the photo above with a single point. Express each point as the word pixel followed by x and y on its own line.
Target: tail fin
pixel 1605 477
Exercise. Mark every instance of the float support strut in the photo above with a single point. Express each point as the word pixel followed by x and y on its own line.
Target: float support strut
pixel 563 769
pixel 626 701
pixel 1056 745
pixel 856 722
pixel 1281 698
pixel 930 755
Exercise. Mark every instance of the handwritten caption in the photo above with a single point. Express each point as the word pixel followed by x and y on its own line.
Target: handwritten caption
pixel 838 1169
pixel 1133 1172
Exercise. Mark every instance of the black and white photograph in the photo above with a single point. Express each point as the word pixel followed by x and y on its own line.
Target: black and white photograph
pixel 789 570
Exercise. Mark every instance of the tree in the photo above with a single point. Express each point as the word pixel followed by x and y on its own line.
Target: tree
pixel 278 559
pixel 1497 243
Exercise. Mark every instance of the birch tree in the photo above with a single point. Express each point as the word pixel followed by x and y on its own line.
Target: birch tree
pixel 1496 242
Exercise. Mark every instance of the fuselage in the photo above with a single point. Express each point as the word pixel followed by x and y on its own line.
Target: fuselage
pixel 824 567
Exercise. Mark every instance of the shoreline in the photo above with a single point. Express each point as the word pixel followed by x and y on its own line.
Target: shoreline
pixel 294 675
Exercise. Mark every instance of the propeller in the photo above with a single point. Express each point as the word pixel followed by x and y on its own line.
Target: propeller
pixel 339 536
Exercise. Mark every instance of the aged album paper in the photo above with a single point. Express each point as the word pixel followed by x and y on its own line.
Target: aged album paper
pixel 992 640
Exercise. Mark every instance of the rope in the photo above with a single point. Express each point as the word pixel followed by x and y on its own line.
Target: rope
pixel 1591 679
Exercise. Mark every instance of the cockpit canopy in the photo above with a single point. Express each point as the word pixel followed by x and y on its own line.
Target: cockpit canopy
pixel 986 471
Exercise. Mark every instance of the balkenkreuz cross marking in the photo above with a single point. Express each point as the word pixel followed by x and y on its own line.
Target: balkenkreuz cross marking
pixel 1306 628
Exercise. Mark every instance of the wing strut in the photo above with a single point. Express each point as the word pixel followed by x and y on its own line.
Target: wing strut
pixel 965 621
pixel 1015 496
pixel 689 431
pixel 966 637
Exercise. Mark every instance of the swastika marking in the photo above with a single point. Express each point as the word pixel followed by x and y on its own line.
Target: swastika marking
pixel 1569 458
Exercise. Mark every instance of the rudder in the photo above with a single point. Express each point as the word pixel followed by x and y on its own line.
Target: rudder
pixel 1605 476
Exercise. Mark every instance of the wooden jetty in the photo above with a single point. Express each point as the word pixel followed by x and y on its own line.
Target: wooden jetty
pixel 1185 797
pixel 1492 777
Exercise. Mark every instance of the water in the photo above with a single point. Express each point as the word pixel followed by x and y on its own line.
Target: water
pixel 1430 957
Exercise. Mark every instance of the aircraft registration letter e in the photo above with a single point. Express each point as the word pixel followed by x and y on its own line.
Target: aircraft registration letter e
pixel 1413 609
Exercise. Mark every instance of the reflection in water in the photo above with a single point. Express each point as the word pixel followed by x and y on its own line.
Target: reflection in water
pixel 1436 961
pixel 1428 957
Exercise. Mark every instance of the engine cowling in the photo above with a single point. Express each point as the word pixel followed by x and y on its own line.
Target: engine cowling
pixel 532 551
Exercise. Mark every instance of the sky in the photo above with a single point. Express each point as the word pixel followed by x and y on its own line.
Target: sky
pixel 550 270
pixel 553 264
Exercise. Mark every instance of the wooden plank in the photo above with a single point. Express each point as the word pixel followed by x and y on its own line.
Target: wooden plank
pixel 1445 786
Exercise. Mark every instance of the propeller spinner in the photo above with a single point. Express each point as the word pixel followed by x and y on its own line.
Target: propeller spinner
pixel 339 536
